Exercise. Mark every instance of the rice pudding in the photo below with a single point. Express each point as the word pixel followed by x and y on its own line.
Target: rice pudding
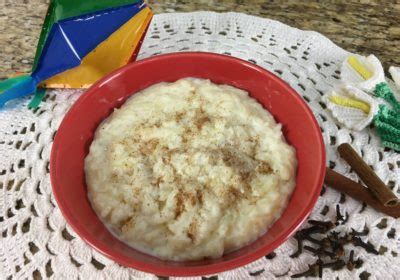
pixel 189 170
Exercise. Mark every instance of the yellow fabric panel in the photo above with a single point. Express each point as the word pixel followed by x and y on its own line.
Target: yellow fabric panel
pixel 350 102
pixel 361 69
pixel 113 53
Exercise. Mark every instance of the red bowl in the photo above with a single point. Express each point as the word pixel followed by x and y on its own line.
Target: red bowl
pixel 75 134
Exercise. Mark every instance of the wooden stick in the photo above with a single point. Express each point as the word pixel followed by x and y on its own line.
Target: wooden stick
pixel 359 192
pixel 368 176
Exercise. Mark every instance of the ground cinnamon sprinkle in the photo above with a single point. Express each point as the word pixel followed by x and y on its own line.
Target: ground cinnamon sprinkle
pixel 157 181
pixel 126 224
pixel 192 199
pixel 229 158
pixel 180 204
pixel 201 121
pixel 235 194
pixel 192 230
pixel 264 167
pixel 199 195
pixel 189 197
pixel 149 146
pixel 179 116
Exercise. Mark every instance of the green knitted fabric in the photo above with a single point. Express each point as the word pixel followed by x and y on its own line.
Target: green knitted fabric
pixel 389 116
pixel 388 132
pixel 391 145
pixel 387 128
pixel 383 91
pixel 389 138
pixel 387 123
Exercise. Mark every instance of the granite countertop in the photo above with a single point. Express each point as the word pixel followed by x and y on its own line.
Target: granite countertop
pixel 369 27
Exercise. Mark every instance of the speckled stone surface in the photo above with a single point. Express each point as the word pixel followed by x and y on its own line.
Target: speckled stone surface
pixel 367 27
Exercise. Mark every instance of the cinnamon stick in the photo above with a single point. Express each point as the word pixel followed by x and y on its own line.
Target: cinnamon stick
pixel 368 176
pixel 359 192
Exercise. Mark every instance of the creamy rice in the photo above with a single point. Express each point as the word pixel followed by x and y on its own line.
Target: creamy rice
pixel 189 170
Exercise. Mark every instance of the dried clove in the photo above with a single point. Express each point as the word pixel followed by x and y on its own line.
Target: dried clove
pixel 360 233
pixel 345 239
pixel 314 229
pixel 320 268
pixel 339 252
pixel 333 240
pixel 340 219
pixel 313 240
pixel 350 264
pixel 336 265
pixel 333 235
pixel 328 245
pixel 325 224
pixel 320 252
pixel 358 263
pixel 366 245
pixel 339 216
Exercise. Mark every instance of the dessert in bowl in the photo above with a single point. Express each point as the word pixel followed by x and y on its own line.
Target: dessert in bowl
pixel 222 170
pixel 189 170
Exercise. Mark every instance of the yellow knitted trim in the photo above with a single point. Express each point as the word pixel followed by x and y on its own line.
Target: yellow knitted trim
pixel 350 102
pixel 361 69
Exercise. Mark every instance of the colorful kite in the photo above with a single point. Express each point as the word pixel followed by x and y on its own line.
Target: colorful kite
pixel 80 42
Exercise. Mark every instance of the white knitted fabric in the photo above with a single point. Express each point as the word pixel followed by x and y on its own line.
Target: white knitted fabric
pixel 353 86
pixel 352 118
pixel 35 239
pixel 349 76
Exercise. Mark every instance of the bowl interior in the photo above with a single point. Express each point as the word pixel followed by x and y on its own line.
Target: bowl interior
pixel 76 133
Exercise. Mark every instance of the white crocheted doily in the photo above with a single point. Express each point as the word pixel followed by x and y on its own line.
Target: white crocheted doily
pixel 35 240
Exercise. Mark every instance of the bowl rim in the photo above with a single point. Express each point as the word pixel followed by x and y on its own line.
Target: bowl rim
pixel 181 271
